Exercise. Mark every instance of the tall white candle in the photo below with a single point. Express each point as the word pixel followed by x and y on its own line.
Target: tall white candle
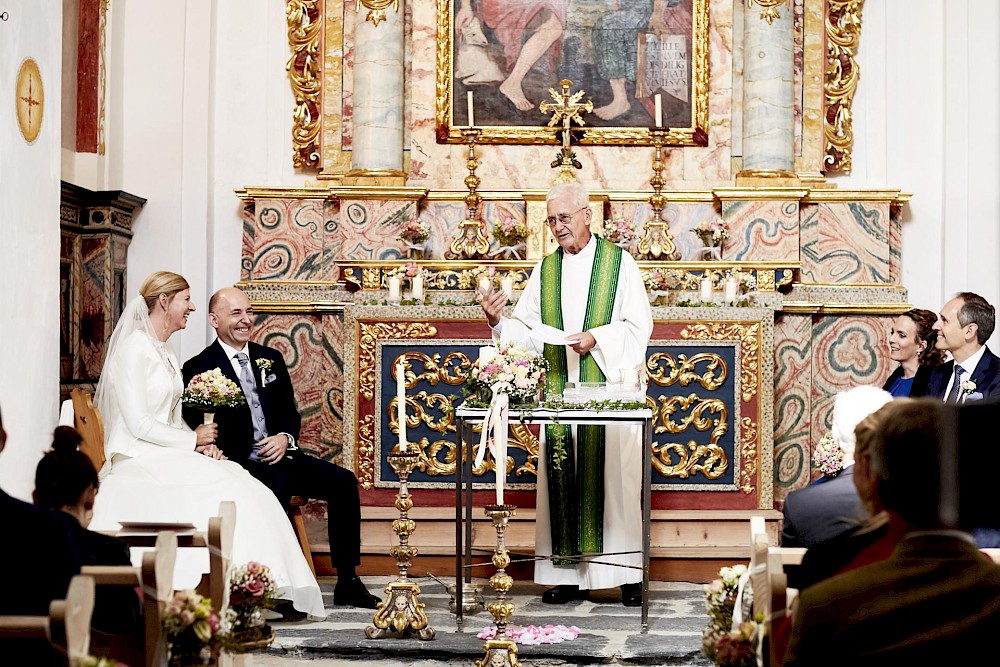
pixel 507 285
pixel 401 403
pixel 418 287
pixel 394 290
pixel 706 289
pixel 659 110
pixel 730 289
pixel 484 286
pixel 472 117
pixel 501 478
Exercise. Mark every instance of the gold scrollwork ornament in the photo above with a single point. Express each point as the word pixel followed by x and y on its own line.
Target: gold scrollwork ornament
pixel 843 32
pixel 304 35
pixel 376 9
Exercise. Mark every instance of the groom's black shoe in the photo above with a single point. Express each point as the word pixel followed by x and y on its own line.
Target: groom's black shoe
pixel 352 592
pixel 564 593
pixel 631 595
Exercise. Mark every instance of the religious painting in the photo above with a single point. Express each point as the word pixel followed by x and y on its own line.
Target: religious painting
pixel 500 59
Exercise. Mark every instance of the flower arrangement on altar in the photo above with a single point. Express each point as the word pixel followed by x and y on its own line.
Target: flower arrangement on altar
pixel 720 641
pixel 746 280
pixel 660 279
pixel 828 457
pixel 408 270
pixel 712 234
pixel 252 589
pixel 414 231
pixel 192 628
pixel 620 232
pixel 481 273
pixel 212 390
pixel 509 369
pixel 511 235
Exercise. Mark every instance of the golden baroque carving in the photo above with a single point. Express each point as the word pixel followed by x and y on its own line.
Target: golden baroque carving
pixel 843 31
pixel 366 452
pixel 714 376
pixel 303 18
pixel 768 9
pixel 748 336
pixel 708 459
pixel 748 452
pixel 376 9
pixel 369 333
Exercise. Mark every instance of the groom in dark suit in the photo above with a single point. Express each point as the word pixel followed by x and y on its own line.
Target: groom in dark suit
pixel 262 435
pixel 964 325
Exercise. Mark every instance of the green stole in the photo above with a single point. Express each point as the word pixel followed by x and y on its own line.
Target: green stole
pixel 576 484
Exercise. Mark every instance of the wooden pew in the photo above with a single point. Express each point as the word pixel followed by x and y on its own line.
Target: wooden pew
pixel 67 627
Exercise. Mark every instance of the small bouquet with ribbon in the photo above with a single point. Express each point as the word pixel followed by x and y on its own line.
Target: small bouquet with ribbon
pixel 505 374
pixel 252 589
pixel 512 237
pixel 828 457
pixel 414 232
pixel 210 391
pixel 712 235
pixel 192 629
pixel 620 232
pixel 728 641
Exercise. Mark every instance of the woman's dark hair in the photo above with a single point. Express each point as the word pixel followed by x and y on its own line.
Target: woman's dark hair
pixel 925 319
pixel 65 472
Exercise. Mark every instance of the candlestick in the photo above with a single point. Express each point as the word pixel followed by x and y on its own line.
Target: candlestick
pixel 418 287
pixel 507 285
pixel 401 403
pixel 395 286
pixel 706 289
pixel 729 289
pixel 659 110
pixel 472 117
pixel 501 650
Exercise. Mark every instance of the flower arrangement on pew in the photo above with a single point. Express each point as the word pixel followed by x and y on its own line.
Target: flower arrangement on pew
pixel 621 233
pixel 509 369
pixel 210 391
pixel 720 641
pixel 512 237
pixel 828 457
pixel 252 589
pixel 193 629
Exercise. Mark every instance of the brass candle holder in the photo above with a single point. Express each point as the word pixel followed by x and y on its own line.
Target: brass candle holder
pixel 401 612
pixel 470 240
pixel 500 651
pixel 657 242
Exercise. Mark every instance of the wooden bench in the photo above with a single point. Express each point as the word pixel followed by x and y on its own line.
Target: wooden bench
pixel 67 627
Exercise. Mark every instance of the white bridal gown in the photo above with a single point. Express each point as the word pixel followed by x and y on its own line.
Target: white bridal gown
pixel 154 475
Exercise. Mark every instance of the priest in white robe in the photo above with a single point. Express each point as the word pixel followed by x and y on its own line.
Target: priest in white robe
pixel 589 502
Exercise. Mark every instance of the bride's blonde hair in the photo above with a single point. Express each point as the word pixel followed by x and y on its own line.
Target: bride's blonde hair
pixel 162 282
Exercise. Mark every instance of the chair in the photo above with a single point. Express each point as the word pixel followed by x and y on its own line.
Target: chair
pixel 88 423
pixel 299 523
pixel 67 627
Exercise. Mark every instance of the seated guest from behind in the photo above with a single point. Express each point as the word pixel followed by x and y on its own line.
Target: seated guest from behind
pixel 66 481
pixel 822 511
pixel 913 345
pixel 935 600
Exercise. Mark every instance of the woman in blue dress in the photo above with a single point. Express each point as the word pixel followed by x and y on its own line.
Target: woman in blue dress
pixel 912 344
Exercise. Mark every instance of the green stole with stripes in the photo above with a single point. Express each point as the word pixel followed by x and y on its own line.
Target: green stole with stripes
pixel 576 484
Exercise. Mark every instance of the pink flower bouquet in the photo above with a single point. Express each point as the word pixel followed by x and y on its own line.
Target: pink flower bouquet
pixel 212 390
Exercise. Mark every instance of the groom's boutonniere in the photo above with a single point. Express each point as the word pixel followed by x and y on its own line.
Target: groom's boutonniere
pixel 265 365
pixel 968 387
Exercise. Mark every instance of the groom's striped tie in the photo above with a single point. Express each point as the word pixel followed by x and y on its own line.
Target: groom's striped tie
pixel 253 400
pixel 956 387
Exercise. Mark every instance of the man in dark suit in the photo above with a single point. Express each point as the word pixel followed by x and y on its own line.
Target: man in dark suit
pixel 935 600
pixel 964 325
pixel 821 512
pixel 262 436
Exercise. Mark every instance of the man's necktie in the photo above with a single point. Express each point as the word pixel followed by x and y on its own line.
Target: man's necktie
pixel 956 386
pixel 253 400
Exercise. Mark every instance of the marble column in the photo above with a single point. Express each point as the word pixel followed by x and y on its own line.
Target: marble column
pixel 377 130
pixel 768 89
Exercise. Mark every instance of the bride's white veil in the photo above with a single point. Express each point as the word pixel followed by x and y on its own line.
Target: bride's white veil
pixel 134 318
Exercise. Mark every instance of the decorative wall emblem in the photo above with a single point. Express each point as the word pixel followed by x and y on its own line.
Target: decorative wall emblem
pixel 30 100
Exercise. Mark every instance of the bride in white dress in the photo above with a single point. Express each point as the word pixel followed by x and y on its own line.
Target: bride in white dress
pixel 159 470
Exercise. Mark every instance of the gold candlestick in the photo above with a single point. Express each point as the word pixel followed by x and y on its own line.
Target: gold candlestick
pixel 500 651
pixel 470 240
pixel 657 242
pixel 401 612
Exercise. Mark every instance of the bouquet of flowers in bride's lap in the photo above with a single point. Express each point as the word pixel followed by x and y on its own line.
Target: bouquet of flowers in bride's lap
pixel 252 589
pixel 193 630
pixel 509 369
pixel 722 643
pixel 210 391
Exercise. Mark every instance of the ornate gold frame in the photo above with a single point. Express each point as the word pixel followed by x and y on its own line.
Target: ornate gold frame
pixel 694 135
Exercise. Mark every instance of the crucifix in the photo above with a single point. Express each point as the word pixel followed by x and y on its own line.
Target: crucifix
pixel 566 109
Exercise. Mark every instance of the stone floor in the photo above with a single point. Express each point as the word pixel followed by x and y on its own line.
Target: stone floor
pixel 609 631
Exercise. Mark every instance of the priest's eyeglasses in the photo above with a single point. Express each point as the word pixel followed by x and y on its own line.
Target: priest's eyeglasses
pixel 564 218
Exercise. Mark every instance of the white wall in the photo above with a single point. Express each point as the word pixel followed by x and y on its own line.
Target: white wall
pixel 927 120
pixel 29 245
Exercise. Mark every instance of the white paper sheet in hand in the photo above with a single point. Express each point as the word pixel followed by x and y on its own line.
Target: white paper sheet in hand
pixel 547 334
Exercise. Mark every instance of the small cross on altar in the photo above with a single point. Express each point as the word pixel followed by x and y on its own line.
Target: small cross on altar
pixel 567 110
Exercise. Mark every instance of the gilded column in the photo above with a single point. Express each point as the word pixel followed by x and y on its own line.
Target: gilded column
pixel 768 90
pixel 377 144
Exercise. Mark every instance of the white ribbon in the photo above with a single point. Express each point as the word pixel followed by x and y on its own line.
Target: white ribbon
pixel 510 251
pixel 713 252
pixel 496 423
